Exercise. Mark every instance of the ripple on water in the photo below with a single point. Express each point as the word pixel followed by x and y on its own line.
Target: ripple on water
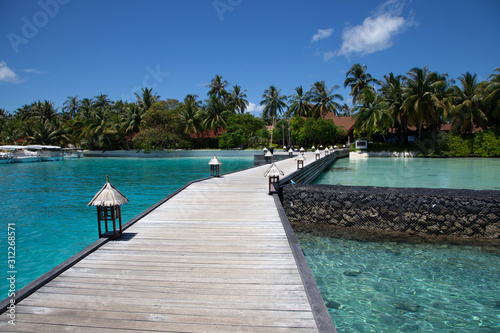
pixel 405 287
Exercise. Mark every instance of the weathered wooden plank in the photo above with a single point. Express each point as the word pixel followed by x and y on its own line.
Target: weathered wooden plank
pixel 251 318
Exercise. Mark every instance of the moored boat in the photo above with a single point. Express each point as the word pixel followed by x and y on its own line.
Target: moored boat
pixel 72 153
pixel 47 153
pixel 5 157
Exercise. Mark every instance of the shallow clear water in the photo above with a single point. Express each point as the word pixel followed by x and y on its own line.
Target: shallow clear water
pixel 47 202
pixel 390 287
pixel 462 173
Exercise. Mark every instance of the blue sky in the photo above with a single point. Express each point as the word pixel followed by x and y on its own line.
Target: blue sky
pixel 52 49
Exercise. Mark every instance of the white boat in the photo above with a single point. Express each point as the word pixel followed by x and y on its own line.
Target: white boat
pixel 25 156
pixel 72 153
pixel 5 157
pixel 21 154
pixel 47 153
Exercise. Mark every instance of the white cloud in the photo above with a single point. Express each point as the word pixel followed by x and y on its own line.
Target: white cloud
pixel 376 32
pixel 321 34
pixel 7 74
pixel 254 109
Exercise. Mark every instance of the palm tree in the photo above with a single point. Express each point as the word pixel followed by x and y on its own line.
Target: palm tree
pixel 102 101
pixel 25 112
pixel 237 100
pixel 345 110
pixel 358 79
pixel 492 98
pixel 274 104
pixel 131 123
pixel 216 115
pixel 190 115
pixel 421 103
pixel 146 99
pixel 392 91
pixel 71 106
pixel 218 88
pixel 96 128
pixel 45 110
pixel 48 132
pixel 86 108
pixel 372 114
pixel 324 99
pixel 299 104
pixel 468 111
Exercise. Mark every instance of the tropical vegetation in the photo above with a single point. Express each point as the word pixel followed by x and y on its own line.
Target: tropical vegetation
pixel 444 117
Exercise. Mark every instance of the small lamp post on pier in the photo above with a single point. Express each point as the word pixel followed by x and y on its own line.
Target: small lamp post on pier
pixel 269 157
pixel 108 201
pixel 290 152
pixel 274 178
pixel 318 154
pixel 302 150
pixel 300 161
pixel 214 167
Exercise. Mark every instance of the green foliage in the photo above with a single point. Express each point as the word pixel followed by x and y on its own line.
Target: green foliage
pixel 312 131
pixel 479 144
pixel 160 126
pixel 487 143
pixel 243 131
pixel 454 145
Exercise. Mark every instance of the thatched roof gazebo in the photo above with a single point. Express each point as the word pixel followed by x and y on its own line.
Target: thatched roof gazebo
pixel 108 201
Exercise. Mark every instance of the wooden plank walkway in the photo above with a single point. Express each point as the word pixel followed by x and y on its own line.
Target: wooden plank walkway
pixel 213 258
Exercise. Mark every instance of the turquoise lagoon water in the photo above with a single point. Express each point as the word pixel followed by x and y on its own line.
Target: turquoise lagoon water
pixel 368 287
pixel 458 173
pixel 47 202
pixel 395 287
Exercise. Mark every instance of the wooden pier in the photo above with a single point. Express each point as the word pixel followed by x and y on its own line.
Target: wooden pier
pixel 215 257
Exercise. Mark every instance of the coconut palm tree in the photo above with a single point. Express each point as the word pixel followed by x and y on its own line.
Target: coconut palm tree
pixel 468 111
pixel 345 110
pixel 216 114
pixel 421 103
pixel 323 99
pixel 237 100
pixel 96 130
pixel 358 79
pixel 274 104
pixel 217 88
pixel 71 106
pixel 131 123
pixel 299 104
pixel 146 98
pixel 392 91
pixel 86 108
pixel 492 98
pixel 372 114
pixel 190 115
pixel 25 112
pixel 102 101
pixel 45 110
